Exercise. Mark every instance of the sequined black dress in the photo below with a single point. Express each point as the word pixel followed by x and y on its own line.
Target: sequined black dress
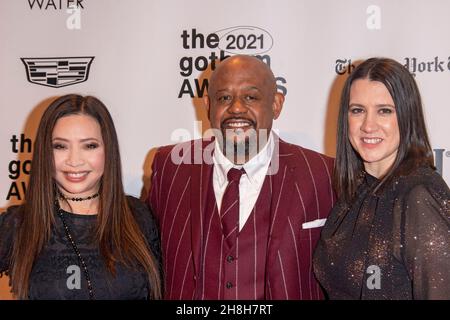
pixel 53 274
pixel 392 246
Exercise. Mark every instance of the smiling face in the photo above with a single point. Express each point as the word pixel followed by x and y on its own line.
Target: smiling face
pixel 243 102
pixel 373 126
pixel 79 155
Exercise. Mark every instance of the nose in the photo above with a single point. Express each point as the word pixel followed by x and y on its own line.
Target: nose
pixel 370 123
pixel 237 107
pixel 74 158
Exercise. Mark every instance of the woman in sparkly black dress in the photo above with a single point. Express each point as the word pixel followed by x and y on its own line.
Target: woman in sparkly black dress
pixel 388 237
pixel 77 236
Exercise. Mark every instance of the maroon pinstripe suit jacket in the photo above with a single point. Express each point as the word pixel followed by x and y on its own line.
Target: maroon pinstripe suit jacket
pixel 302 191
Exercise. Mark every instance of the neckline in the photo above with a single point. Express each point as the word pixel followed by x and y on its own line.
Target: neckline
pixel 79 215
pixel 369 180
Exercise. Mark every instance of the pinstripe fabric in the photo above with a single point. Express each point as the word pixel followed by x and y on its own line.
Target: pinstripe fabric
pixel 193 251
pixel 237 272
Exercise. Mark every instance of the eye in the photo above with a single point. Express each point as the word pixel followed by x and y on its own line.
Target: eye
pixel 92 145
pixel 386 111
pixel 224 98
pixel 355 110
pixel 250 98
pixel 58 146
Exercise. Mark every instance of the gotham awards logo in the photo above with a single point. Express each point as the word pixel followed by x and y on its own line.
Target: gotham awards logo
pixel 221 44
pixel 57 72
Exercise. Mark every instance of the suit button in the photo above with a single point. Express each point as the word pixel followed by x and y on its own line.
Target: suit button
pixel 229 285
pixel 230 259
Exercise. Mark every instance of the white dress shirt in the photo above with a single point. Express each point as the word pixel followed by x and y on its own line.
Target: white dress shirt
pixel 250 184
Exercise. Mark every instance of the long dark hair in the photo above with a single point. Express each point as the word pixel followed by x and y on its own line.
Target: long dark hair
pixel 118 234
pixel 414 149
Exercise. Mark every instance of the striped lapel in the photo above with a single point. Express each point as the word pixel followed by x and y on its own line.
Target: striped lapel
pixel 200 182
pixel 282 188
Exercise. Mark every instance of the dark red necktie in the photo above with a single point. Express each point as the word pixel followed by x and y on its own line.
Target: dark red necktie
pixel 229 211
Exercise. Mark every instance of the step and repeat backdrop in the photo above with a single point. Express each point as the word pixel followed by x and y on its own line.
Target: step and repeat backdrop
pixel 149 62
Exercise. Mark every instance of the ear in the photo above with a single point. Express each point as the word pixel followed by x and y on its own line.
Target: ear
pixel 277 104
pixel 206 102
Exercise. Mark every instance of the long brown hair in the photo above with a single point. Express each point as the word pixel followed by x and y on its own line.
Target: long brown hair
pixel 118 234
pixel 414 148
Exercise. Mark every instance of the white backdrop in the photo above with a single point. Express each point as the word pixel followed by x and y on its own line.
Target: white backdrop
pixel 142 51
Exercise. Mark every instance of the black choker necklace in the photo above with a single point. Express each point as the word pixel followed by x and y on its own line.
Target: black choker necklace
pixel 77 199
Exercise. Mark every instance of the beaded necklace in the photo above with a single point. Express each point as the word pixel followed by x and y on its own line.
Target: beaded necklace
pixel 78 254
pixel 62 196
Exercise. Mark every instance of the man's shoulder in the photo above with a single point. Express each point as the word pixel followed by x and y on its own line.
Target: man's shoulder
pixel 167 149
pixel 304 153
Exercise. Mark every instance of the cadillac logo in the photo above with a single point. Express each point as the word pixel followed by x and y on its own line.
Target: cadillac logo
pixel 57 72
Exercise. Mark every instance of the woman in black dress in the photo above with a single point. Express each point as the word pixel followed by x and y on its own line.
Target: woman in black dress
pixel 388 237
pixel 77 236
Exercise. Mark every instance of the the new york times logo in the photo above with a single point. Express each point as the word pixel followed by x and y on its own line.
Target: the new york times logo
pixel 224 43
pixel 55 4
pixel 413 64
pixel 57 72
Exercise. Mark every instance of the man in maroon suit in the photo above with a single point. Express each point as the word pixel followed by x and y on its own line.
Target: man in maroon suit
pixel 240 214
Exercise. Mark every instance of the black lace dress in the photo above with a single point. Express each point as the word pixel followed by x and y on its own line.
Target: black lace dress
pixel 392 246
pixel 55 272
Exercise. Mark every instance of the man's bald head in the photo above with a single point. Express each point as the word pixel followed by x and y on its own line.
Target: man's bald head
pixel 237 62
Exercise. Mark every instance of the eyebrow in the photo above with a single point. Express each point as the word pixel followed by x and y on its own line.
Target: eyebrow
pixel 245 88
pixel 381 105
pixel 82 140
pixel 252 88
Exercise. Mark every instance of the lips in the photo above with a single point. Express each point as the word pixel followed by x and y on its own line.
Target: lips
pixel 237 123
pixel 371 143
pixel 76 176
pixel 371 140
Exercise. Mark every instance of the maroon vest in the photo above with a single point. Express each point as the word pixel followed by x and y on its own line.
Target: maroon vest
pixel 237 272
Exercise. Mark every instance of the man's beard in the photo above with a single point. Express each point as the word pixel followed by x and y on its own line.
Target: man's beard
pixel 239 146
